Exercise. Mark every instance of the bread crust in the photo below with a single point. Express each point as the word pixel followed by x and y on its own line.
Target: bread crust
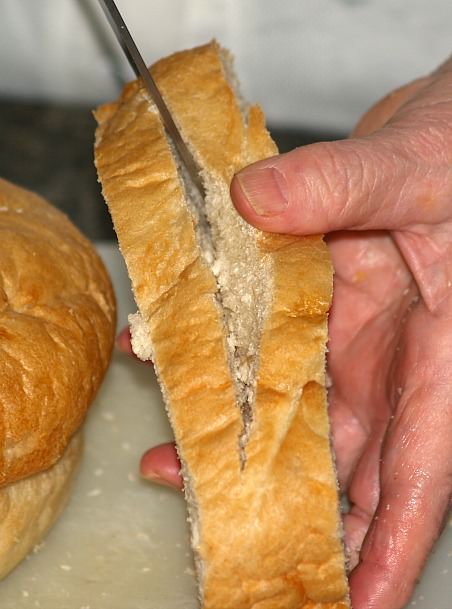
pixel 29 507
pixel 266 536
pixel 57 326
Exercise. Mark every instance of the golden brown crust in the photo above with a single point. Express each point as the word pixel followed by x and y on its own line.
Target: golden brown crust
pixel 29 507
pixel 269 536
pixel 216 137
pixel 57 324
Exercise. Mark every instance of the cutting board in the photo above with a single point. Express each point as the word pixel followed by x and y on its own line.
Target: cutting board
pixel 122 543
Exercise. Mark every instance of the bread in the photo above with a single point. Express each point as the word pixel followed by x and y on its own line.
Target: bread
pixel 235 322
pixel 29 507
pixel 57 325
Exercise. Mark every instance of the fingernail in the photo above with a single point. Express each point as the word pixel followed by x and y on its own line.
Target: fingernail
pixel 123 341
pixel 156 479
pixel 265 190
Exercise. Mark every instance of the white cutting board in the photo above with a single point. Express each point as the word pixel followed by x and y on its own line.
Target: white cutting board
pixel 123 543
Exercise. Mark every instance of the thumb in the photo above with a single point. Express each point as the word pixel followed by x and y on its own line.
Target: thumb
pixel 384 181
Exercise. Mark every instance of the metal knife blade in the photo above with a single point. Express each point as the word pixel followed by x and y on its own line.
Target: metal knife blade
pixel 139 67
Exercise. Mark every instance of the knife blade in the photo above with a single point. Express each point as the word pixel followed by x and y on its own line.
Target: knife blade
pixel 139 67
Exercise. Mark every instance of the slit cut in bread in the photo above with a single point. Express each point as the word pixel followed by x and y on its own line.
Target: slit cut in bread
pixel 235 322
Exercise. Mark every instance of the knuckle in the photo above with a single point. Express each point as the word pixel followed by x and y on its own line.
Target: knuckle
pixel 423 140
pixel 343 175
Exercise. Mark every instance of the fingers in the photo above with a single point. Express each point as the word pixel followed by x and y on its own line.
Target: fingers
pixel 399 540
pixel 161 465
pixel 124 344
pixel 372 289
pixel 381 182
pixel 415 475
pixel 398 176
pixel 363 494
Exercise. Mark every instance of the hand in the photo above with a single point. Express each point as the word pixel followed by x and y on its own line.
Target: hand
pixel 159 464
pixel 384 198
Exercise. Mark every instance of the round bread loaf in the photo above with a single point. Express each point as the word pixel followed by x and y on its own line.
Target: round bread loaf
pixel 57 325
pixel 29 507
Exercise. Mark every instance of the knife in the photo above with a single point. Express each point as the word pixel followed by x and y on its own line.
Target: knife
pixel 139 67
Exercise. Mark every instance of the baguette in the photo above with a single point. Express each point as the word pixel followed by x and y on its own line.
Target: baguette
pixel 57 326
pixel 235 322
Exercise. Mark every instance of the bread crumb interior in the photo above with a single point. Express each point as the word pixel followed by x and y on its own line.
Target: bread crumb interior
pixel 229 246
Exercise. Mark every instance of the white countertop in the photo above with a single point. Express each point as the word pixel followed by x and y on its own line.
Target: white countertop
pixel 123 543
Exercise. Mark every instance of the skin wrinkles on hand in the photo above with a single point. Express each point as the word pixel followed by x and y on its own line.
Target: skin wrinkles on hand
pixel 430 259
